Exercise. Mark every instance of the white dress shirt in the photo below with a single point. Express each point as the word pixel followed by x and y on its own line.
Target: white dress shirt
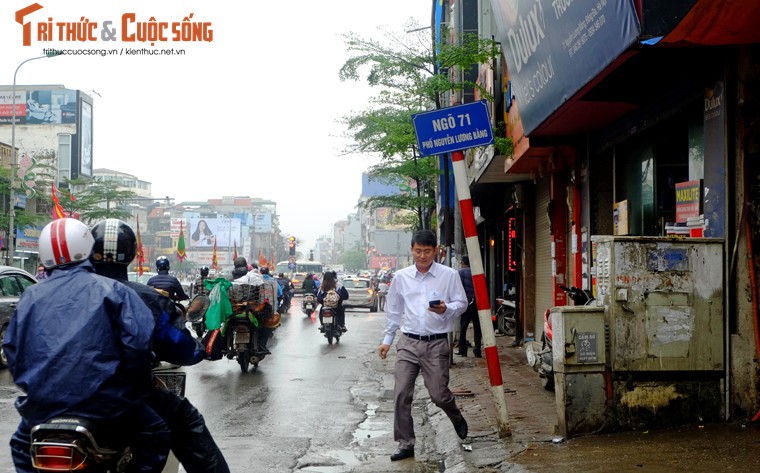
pixel 408 300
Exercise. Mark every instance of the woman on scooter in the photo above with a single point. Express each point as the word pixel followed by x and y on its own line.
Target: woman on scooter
pixel 330 282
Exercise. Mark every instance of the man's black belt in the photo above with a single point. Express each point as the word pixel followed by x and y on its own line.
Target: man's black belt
pixel 426 338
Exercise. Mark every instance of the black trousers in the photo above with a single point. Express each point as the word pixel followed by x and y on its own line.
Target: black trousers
pixel 470 315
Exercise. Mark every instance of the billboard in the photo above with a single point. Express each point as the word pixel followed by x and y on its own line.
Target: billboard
pixel 84 131
pixel 39 107
pixel 555 48
pixel 203 232
pixel 262 222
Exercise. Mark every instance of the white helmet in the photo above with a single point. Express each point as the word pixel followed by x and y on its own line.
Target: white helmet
pixel 63 241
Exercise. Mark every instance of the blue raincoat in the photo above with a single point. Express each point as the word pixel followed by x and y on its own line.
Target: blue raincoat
pixel 80 344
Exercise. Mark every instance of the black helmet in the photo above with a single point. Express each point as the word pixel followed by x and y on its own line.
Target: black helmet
pixel 204 271
pixel 115 242
pixel 162 263
pixel 264 270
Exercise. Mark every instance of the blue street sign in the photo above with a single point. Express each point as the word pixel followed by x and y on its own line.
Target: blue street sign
pixel 453 129
pixel 291 266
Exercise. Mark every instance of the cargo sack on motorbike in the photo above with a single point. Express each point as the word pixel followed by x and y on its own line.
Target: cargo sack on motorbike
pixel 213 343
pixel 331 299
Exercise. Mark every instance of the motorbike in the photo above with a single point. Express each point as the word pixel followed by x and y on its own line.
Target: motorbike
pixel 251 325
pixel 309 304
pixel 285 300
pixel 70 443
pixel 330 325
pixel 196 314
pixel 542 361
pixel 506 316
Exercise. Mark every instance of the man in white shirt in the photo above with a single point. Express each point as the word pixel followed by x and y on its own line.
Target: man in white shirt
pixel 423 301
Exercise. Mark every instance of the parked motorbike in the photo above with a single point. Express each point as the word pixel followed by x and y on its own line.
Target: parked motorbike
pixel 66 443
pixel 309 304
pixel 506 316
pixel 543 361
pixel 330 325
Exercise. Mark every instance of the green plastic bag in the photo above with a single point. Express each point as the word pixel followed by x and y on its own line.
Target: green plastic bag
pixel 220 306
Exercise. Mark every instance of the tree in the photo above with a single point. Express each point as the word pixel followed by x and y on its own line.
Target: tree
pixel 90 200
pixel 354 260
pixel 412 77
pixel 38 208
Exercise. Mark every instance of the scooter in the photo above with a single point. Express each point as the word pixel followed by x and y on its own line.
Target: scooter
pixel 67 443
pixel 309 304
pixel 330 325
pixel 542 361
pixel 506 316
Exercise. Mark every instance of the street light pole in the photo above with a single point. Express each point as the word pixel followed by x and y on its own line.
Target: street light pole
pixel 14 160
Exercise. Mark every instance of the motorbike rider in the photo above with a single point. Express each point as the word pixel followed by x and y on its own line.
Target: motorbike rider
pixel 287 287
pixel 330 281
pixel 166 282
pixel 80 345
pixel 240 268
pixel 198 286
pixel 115 246
pixel 268 277
pixel 309 287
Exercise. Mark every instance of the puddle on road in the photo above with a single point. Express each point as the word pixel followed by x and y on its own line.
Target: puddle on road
pixel 345 460
pixel 368 428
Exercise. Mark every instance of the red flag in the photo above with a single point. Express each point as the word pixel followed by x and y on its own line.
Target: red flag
pixel 57 209
pixel 234 252
pixel 214 261
pixel 140 254
pixel 262 259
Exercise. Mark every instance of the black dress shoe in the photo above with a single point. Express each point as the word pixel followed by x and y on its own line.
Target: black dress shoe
pixel 402 453
pixel 461 429
pixel 477 354
pixel 462 353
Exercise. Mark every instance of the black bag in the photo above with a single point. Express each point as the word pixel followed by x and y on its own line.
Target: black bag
pixel 213 343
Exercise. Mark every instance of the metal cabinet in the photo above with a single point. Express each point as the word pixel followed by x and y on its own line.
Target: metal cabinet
pixel 664 302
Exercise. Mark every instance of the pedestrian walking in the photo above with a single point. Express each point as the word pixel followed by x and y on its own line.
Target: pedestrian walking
pixel 423 301
pixel 471 314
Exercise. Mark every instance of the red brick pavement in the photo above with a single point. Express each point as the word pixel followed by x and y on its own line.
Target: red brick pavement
pixel 531 410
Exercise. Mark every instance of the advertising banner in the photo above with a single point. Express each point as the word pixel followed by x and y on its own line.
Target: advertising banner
pixel 203 232
pixel 262 222
pixel 555 48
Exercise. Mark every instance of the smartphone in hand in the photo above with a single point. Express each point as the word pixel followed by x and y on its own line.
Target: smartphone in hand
pixel 434 303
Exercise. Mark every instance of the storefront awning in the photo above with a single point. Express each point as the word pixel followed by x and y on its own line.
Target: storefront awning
pixel 716 23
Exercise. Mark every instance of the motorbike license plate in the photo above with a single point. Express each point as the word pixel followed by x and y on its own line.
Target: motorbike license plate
pixel 326 319
pixel 242 337
pixel 309 305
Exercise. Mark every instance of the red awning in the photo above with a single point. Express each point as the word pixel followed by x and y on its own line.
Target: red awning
pixel 718 22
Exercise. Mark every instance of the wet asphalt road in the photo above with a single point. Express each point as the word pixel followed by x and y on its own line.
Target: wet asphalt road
pixel 309 406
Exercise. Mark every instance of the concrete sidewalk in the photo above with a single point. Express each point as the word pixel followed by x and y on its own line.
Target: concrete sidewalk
pixel 533 446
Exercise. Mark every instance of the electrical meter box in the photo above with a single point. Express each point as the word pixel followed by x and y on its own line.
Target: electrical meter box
pixel 579 338
pixel 664 302
pixel 579 349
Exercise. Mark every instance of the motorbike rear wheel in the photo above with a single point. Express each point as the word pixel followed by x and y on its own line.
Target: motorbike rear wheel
pixel 329 335
pixel 505 322
pixel 244 360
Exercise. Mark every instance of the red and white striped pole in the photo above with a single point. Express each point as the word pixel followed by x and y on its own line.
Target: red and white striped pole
pixel 481 291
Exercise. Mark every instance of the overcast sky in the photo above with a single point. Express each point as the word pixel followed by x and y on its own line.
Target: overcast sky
pixel 251 112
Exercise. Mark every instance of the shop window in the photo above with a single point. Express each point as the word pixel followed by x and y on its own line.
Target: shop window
pixel 650 164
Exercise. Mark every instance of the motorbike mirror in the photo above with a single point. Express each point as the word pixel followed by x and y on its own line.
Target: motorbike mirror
pixel 197 308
